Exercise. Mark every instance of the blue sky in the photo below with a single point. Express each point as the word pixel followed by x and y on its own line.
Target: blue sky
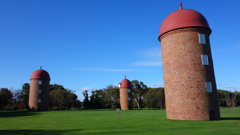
pixel 89 44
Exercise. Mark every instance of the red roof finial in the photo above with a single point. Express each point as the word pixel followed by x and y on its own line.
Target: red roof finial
pixel 180 4
pixel 125 76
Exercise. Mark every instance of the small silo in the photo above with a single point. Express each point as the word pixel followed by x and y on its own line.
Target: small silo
pixel 39 90
pixel 126 100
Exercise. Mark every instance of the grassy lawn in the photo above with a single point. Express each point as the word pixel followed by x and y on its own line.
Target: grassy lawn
pixel 105 122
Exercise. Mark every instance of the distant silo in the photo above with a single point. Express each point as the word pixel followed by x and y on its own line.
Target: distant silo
pixel 189 80
pixel 39 90
pixel 125 91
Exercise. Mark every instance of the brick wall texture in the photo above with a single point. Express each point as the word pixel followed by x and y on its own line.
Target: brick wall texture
pixel 34 95
pixel 124 102
pixel 185 76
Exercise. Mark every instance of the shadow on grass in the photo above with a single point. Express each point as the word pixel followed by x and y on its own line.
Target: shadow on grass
pixel 36 132
pixel 17 114
pixel 230 118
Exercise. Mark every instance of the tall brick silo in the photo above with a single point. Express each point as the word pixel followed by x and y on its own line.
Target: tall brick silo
pixel 39 90
pixel 126 101
pixel 189 80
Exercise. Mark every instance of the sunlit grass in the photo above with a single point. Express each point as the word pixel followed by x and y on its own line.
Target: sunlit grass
pixel 148 122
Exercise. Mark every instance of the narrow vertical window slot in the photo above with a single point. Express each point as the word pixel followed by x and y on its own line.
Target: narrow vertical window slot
pixel 204 59
pixel 39 91
pixel 39 82
pixel 39 100
pixel 208 86
pixel 202 38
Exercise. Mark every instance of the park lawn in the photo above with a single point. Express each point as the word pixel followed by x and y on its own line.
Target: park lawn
pixel 105 122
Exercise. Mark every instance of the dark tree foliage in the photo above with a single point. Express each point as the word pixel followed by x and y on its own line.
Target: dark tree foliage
pixel 25 96
pixel 56 87
pixel 238 98
pixel 103 98
pixel 5 98
pixel 97 99
pixel 228 99
pixel 16 101
pixel 73 101
pixel 62 98
pixel 139 89
pixel 221 98
pixel 86 103
pixel 154 98
pixel 112 97
pixel 17 95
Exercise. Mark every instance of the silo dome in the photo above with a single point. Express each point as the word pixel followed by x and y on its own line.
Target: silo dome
pixel 40 74
pixel 125 83
pixel 183 18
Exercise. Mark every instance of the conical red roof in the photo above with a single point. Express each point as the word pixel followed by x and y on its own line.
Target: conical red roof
pixel 183 18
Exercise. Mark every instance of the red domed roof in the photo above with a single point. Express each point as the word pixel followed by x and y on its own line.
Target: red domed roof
pixel 125 83
pixel 40 74
pixel 183 18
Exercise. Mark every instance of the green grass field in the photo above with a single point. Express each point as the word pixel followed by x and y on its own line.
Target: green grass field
pixel 105 122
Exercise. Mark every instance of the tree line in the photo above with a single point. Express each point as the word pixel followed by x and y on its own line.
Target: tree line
pixel 145 97
pixel 62 98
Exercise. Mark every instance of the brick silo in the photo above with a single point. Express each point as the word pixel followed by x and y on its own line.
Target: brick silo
pixel 125 91
pixel 189 80
pixel 39 91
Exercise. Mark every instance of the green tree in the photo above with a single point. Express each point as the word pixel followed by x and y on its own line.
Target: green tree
pixel 61 97
pixel 72 99
pixel 139 89
pixel 5 98
pixel 86 103
pixel 228 99
pixel 154 98
pixel 56 87
pixel 221 98
pixel 16 100
pixel 112 96
pixel 231 99
pixel 25 95
pixel 97 99
pixel 57 98
pixel 238 98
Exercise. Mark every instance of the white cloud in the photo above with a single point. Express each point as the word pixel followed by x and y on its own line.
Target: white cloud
pixel 79 91
pixel 148 63
pixel 115 84
pixel 151 53
pixel 229 86
pixel 150 56
pixel 84 88
pixel 233 89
